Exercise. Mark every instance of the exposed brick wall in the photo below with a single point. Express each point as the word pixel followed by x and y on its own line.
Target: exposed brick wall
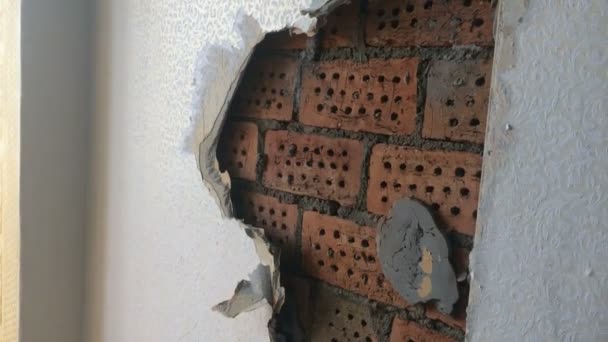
pixel 325 133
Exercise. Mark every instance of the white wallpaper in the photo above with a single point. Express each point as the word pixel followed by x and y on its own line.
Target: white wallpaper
pixel 540 259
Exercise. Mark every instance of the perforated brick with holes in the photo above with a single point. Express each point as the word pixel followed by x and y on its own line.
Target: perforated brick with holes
pixel 340 29
pixel 238 149
pixel 446 181
pixel 429 23
pixel 337 319
pixel 325 133
pixel 379 96
pixel 343 253
pixel 266 91
pixel 457 100
pixel 278 219
pixel 328 168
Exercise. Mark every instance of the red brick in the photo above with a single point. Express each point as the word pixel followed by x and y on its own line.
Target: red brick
pixel 284 40
pixel 341 28
pixel 429 23
pixel 407 331
pixel 379 96
pixel 446 181
pixel 343 254
pixel 279 220
pixel 323 167
pixel 338 319
pixel 267 89
pixel 457 100
pixel 237 150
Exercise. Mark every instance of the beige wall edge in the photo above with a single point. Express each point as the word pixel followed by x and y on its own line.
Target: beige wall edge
pixel 10 84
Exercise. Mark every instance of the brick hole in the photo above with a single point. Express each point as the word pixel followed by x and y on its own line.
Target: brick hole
pixel 365 78
pixel 409 8
pixel 396 11
pixel 459 172
pixel 467 3
pixel 447 190
pixel 477 22
pixel 344 167
pixel 334 30
pixel 429 189
pixel 475 214
pixel 377 113
pixel 435 206
pixel 290 179
pixel 384 199
pixel 317 246
pixel 271 75
pixel 335 76
pixel 342 253
pixel 438 171
pixel 342 93
pixel 449 102
pixel 356 334
pixel 317 90
pixel 381 78
pixel 455 211
pixel 412 187
pixel 362 110
pixel 328 182
pixel 309 163
pixel 322 232
pixel 464 192
pixel 383 184
pixel 402 166
pixel 394 116
pixel 320 107
pixel 348 110
pixel 321 263
pixel 381 26
pixel 380 12
pixel 414 22
pixel 474 122
pixel 334 268
pixel 419 168
pixel 480 81
pixel 321 165
pixel 397 186
pixel 341 184
pixel 333 165
pixel 351 239
pixel 349 272
pixel 478 174
pixel 350 317
pixel 384 99
pixel 351 77
pixel 453 122
pixel 364 243
pixel 322 75
pixel 387 165
pixel 428 4
pixel 334 109
pixel 330 92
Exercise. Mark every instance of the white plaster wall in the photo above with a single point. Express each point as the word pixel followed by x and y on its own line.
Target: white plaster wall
pixel 160 254
pixel 539 262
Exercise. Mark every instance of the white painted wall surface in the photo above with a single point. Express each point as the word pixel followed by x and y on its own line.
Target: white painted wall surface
pixel 160 253
pixel 540 259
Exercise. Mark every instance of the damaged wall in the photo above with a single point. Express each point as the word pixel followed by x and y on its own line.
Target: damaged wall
pixel 539 263
pixel 324 135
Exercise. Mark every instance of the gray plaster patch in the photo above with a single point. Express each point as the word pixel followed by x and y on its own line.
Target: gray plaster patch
pixel 414 256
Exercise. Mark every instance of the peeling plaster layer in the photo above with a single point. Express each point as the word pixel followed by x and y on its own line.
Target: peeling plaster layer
pixel 161 252
pixel 539 268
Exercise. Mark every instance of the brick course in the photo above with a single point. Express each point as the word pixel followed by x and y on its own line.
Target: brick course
pixel 448 182
pixel 266 91
pixel 238 149
pixel 379 96
pixel 457 100
pixel 323 167
pixel 429 23
pixel 343 253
